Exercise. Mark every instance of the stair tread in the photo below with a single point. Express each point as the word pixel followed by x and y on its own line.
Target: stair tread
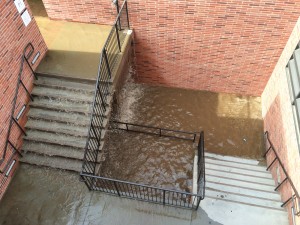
pixel 222 195
pixel 265 181
pixel 60 105
pixel 52 150
pixel 76 96
pixel 74 118
pixel 242 171
pixel 57 127
pixel 239 183
pixel 56 82
pixel 59 139
pixel 54 162
pixel 244 191
pixel 236 165
pixel 234 159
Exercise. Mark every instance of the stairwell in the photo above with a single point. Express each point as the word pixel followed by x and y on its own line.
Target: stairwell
pixel 58 122
pixel 237 187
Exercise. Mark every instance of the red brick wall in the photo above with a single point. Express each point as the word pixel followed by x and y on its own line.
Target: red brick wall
pixel 278 120
pixel 13 38
pixel 221 46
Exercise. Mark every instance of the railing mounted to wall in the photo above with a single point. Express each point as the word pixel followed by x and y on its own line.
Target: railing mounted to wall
pixel 295 198
pixel 201 166
pixel 108 58
pixel 27 53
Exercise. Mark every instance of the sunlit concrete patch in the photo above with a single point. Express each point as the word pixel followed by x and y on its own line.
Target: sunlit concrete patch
pixel 230 213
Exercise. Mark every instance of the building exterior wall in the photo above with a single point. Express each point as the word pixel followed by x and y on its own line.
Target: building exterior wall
pixel 14 36
pixel 278 119
pixel 221 46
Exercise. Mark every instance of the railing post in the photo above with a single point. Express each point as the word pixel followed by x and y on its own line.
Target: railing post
pixel 117 32
pixel 117 188
pixel 30 68
pixel 107 63
pixel 127 14
pixel 164 197
pixel 16 122
pixel 26 90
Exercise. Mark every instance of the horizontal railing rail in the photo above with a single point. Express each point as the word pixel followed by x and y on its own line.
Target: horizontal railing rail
pixel 162 132
pixel 108 58
pixel 295 197
pixel 27 53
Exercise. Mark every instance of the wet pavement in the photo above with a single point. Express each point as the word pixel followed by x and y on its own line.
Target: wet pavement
pixel 39 196
pixel 232 123
pixel 232 126
pixel 73 48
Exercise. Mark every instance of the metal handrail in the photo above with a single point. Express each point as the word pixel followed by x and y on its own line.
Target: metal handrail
pixel 24 59
pixel 287 177
pixel 160 130
pixel 201 164
pixel 108 58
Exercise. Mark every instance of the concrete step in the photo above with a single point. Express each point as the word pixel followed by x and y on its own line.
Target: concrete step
pixel 235 164
pixel 57 127
pixel 241 171
pixel 234 176
pixel 227 196
pixel 53 162
pixel 58 139
pixel 64 117
pixel 234 159
pixel 239 183
pixel 244 191
pixel 52 93
pixel 65 84
pixel 52 150
pixel 61 105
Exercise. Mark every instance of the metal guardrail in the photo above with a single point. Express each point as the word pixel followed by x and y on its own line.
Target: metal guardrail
pixel 148 193
pixel 108 58
pixel 162 132
pixel 201 166
pixel 27 53
pixel 295 197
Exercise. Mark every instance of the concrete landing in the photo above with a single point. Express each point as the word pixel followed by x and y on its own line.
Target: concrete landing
pixel 60 204
pixel 74 48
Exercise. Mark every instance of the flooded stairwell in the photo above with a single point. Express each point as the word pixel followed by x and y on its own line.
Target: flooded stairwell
pixel 58 122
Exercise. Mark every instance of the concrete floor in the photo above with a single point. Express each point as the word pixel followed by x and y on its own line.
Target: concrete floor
pixel 46 196
pixel 74 48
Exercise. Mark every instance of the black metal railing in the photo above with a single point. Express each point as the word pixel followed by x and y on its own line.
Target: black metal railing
pixel 150 193
pixel 162 132
pixel 201 166
pixel 142 192
pixel 108 58
pixel 27 53
pixel 295 198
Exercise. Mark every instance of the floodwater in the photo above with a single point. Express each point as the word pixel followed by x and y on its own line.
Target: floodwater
pixel 232 125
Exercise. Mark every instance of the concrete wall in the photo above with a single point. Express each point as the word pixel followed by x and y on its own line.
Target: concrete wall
pixel 221 46
pixel 278 118
pixel 13 38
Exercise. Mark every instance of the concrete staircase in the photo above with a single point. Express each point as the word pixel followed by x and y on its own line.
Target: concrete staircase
pixel 58 122
pixel 241 191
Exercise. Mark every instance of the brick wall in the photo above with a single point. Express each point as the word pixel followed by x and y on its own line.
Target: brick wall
pixel 221 46
pixel 278 120
pixel 13 38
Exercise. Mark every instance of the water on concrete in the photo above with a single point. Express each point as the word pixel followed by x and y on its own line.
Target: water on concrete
pixel 74 48
pixel 232 126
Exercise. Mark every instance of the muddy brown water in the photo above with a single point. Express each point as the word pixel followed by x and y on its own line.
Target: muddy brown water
pixel 232 125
